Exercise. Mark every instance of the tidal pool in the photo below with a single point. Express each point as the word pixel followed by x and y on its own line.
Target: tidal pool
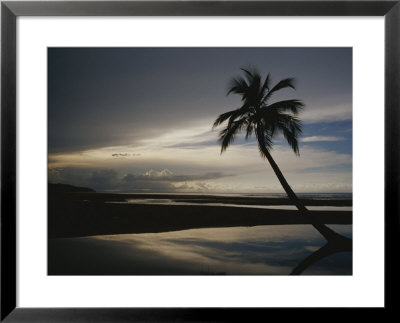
pixel 222 204
pixel 259 250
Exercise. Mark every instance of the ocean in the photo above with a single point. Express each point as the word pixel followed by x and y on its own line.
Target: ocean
pixel 261 201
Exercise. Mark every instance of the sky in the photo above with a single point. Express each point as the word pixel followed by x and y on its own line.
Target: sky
pixel 140 119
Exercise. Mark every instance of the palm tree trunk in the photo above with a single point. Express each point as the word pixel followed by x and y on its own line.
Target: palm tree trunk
pixel 326 232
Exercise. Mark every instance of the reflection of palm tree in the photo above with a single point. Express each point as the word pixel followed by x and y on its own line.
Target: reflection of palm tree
pixel 266 120
pixel 327 250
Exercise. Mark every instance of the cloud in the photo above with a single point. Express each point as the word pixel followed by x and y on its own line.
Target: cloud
pixel 202 170
pixel 321 138
pixel 122 155
pixel 334 113
pixel 166 175
pixel 149 181
pixel 158 174
pixel 164 166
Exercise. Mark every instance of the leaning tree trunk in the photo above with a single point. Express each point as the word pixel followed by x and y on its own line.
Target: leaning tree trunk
pixel 327 233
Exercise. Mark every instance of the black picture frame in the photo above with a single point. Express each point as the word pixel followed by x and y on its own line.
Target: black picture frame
pixel 10 10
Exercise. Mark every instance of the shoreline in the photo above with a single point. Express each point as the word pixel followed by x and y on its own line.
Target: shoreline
pixel 79 219
pixel 206 198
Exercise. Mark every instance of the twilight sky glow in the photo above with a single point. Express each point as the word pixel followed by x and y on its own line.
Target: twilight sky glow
pixel 140 119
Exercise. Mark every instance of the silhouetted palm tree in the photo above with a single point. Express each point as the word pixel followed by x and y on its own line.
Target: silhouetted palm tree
pixel 265 120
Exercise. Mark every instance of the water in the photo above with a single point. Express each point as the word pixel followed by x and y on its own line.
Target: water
pixel 276 207
pixel 241 201
pixel 260 250
pixel 265 195
pixel 302 195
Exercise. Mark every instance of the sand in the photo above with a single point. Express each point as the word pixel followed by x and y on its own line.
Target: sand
pixel 88 214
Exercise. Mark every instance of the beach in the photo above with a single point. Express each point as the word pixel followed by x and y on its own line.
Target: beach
pixel 82 214
pixel 189 234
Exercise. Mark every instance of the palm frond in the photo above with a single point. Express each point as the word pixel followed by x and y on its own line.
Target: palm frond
pixel 254 92
pixel 223 117
pixel 232 115
pixel 264 139
pixel 227 135
pixel 248 74
pixel 291 128
pixel 295 106
pixel 288 82
pixel 291 138
pixel 243 110
pixel 291 122
pixel 250 123
pixel 249 130
pixel 251 74
pixel 266 85
pixel 238 85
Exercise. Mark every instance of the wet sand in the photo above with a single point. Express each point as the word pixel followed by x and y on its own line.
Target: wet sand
pixel 88 214
pixel 197 198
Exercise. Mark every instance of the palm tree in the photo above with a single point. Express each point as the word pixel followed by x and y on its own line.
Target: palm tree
pixel 265 120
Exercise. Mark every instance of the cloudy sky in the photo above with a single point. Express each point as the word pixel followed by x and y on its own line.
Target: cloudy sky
pixel 140 119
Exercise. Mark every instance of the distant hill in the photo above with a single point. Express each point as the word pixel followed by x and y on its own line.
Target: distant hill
pixel 66 188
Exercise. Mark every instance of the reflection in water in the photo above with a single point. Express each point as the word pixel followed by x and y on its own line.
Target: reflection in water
pixel 260 250
pixel 274 207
